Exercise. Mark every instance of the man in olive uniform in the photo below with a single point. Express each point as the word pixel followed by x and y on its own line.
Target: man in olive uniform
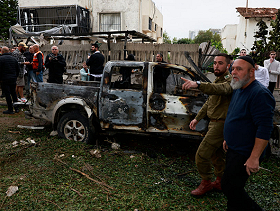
pixel 210 150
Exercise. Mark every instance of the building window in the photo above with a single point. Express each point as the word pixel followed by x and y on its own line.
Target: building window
pixel 150 24
pixel 110 22
pixel 161 32
pixel 155 27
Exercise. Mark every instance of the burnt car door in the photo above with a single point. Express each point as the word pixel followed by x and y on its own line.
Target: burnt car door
pixel 171 109
pixel 122 102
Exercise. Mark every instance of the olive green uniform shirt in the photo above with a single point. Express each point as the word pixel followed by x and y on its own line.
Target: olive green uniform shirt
pixel 219 92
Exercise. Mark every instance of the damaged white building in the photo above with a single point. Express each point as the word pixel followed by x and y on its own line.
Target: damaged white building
pixel 86 16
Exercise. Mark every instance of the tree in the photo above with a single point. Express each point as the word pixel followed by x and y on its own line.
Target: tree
pixel 166 38
pixel 185 41
pixel 274 43
pixel 8 16
pixel 235 52
pixel 203 36
pixel 174 40
pixel 219 46
pixel 260 46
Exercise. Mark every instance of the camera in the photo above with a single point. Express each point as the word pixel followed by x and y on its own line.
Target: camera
pixel 53 57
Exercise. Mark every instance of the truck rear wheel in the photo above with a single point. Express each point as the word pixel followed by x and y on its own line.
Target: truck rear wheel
pixel 74 126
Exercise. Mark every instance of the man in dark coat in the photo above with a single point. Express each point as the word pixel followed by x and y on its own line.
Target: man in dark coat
pixel 56 64
pixel 9 71
pixel 160 75
pixel 95 61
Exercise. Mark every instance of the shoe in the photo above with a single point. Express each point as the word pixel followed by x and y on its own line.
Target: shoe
pixel 204 187
pixel 23 100
pixel 16 110
pixel 217 184
pixel 19 100
pixel 8 112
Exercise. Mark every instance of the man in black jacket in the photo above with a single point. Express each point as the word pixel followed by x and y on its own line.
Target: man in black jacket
pixel 56 64
pixel 9 71
pixel 95 61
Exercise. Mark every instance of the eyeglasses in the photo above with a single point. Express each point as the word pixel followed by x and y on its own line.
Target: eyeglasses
pixel 54 49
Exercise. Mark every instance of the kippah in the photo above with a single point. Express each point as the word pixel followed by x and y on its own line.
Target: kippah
pixel 247 59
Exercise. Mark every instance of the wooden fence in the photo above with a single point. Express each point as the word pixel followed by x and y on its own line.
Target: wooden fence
pixel 75 55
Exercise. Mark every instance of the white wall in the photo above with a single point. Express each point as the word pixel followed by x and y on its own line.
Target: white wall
pixel 127 8
pixel 250 26
pixel 228 36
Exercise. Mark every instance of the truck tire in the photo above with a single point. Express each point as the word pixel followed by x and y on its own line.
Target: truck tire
pixel 74 126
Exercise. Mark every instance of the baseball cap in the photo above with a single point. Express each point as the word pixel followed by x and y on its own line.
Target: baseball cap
pixel 22 44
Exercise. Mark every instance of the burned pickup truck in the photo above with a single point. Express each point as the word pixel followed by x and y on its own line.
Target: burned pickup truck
pixel 132 97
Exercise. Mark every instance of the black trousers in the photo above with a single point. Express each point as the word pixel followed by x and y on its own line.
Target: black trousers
pixel 9 89
pixel 271 86
pixel 233 183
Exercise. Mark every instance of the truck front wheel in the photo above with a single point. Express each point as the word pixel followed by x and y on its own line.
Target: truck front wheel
pixel 74 126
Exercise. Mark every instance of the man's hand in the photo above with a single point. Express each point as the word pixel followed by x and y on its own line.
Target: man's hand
pixel 225 146
pixel 188 84
pixel 193 124
pixel 271 60
pixel 252 165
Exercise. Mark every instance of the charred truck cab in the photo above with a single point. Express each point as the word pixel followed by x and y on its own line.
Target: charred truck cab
pixel 137 97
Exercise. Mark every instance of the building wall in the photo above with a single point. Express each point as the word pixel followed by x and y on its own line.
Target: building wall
pixel 134 14
pixel 228 36
pixel 39 3
pixel 241 41
pixel 129 10
pixel 149 10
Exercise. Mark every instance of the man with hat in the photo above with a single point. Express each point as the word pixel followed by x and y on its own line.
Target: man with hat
pixel 247 130
pixel 18 54
pixel 95 61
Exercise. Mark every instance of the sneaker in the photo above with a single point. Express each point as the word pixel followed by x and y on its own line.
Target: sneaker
pixel 23 100
pixel 8 112
pixel 19 100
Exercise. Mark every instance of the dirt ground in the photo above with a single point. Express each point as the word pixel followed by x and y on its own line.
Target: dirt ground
pixel 13 120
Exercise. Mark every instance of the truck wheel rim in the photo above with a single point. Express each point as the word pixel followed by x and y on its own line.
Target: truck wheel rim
pixel 74 130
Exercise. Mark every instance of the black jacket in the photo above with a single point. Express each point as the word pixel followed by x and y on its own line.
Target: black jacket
pixel 9 68
pixel 96 62
pixel 29 58
pixel 56 68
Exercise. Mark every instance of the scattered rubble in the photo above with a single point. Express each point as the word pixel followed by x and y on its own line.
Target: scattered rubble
pixel 11 190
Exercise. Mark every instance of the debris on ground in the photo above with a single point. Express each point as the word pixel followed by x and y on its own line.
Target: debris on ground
pixel 22 142
pixel 115 146
pixel 96 153
pixel 30 127
pixel 11 190
pixel 54 133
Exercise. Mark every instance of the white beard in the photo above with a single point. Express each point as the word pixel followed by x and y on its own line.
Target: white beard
pixel 240 83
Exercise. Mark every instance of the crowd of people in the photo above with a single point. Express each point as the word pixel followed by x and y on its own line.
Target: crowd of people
pixel 21 65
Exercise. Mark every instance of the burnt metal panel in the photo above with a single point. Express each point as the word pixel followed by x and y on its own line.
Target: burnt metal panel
pixel 48 93
pixel 122 107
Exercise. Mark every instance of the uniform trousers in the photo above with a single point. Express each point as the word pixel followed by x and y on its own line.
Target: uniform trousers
pixel 210 152
pixel 233 183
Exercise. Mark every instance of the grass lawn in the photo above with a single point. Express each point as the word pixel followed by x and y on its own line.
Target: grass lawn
pixel 57 174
